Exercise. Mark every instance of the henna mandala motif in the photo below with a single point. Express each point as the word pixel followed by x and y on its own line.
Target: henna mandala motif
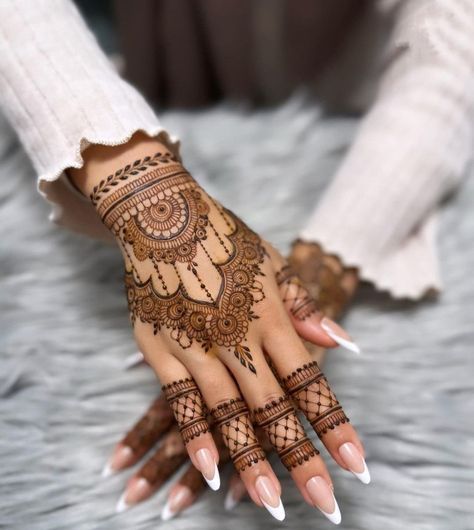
pixel 168 232
pixel 188 408
pixel 310 389
pixel 285 432
pixel 232 418
pixel 294 295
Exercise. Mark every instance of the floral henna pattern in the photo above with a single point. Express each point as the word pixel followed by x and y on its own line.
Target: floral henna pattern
pixel 188 407
pixel 310 389
pixel 285 432
pixel 294 295
pixel 172 234
pixel 232 418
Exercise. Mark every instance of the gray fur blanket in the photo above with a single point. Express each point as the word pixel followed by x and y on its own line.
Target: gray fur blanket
pixel 65 398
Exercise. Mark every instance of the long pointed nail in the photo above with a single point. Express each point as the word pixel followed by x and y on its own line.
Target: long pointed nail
pixel 179 498
pixel 138 489
pixel 121 457
pixel 355 462
pixel 208 468
pixel 269 496
pixel 133 359
pixel 323 498
pixel 339 335
pixel 236 491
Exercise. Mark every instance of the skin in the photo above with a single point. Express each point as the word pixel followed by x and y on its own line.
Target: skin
pixel 218 375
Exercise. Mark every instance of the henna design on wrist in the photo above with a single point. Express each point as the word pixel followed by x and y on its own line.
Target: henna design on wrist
pixel 172 234
pixel 285 432
pixel 310 389
pixel 144 434
pixel 233 419
pixel 188 407
pixel 294 295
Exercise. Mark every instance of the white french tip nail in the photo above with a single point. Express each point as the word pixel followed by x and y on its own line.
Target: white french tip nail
pixel 335 517
pixel 215 482
pixel 107 471
pixel 167 513
pixel 122 505
pixel 133 360
pixel 230 501
pixel 278 512
pixel 363 476
pixel 348 344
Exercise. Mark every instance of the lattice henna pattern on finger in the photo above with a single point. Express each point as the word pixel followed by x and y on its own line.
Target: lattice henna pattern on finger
pixel 294 295
pixel 192 267
pixel 310 389
pixel 233 419
pixel 285 432
pixel 188 408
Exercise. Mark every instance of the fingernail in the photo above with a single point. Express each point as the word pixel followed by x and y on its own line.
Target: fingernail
pixel 269 496
pixel 133 359
pixel 339 335
pixel 234 495
pixel 323 498
pixel 121 457
pixel 355 462
pixel 137 490
pixel 208 467
pixel 179 498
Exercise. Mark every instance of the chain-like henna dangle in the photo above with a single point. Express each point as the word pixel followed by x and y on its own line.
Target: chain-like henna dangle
pixel 311 392
pixel 172 234
pixel 233 419
pixel 295 297
pixel 188 408
pixel 285 432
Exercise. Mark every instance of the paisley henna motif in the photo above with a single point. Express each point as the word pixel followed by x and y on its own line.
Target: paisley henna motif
pixel 171 232
pixel 310 389
pixel 232 418
pixel 285 432
pixel 188 408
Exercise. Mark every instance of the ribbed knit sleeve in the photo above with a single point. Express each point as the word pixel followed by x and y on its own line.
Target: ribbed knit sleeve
pixel 412 148
pixel 61 94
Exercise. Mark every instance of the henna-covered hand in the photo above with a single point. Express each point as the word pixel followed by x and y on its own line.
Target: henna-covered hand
pixel 195 274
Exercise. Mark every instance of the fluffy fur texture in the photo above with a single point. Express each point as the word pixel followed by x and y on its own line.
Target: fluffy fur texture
pixel 65 398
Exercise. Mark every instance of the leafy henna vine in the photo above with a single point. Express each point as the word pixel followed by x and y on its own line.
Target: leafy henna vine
pixel 310 390
pixel 232 418
pixel 285 432
pixel 191 265
pixel 294 295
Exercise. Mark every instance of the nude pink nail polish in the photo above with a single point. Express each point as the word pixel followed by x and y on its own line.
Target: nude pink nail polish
pixel 323 498
pixel 355 461
pixel 270 498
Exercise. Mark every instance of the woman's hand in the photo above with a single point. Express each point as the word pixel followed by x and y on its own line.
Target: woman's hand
pixel 218 315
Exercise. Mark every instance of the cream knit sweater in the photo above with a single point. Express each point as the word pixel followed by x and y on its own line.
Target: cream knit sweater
pixel 61 94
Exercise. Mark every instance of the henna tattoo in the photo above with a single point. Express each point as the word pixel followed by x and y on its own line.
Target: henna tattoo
pixel 145 433
pixel 232 418
pixel 285 432
pixel 295 297
pixel 172 234
pixel 310 389
pixel 188 407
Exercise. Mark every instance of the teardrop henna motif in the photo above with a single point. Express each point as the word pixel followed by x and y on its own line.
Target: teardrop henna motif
pixel 164 223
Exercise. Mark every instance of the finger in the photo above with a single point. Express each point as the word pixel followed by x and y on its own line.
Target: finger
pixel 232 418
pixel 309 388
pixel 275 414
pixel 157 420
pixel 155 472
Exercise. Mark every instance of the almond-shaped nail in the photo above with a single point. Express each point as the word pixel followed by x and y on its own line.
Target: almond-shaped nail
pixel 208 467
pixel 338 335
pixel 355 462
pixel 236 491
pixel 270 498
pixel 121 458
pixel 180 498
pixel 133 359
pixel 138 489
pixel 323 498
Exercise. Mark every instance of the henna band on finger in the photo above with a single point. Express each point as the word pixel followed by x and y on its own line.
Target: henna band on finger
pixel 233 419
pixel 294 295
pixel 285 432
pixel 310 389
pixel 188 408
